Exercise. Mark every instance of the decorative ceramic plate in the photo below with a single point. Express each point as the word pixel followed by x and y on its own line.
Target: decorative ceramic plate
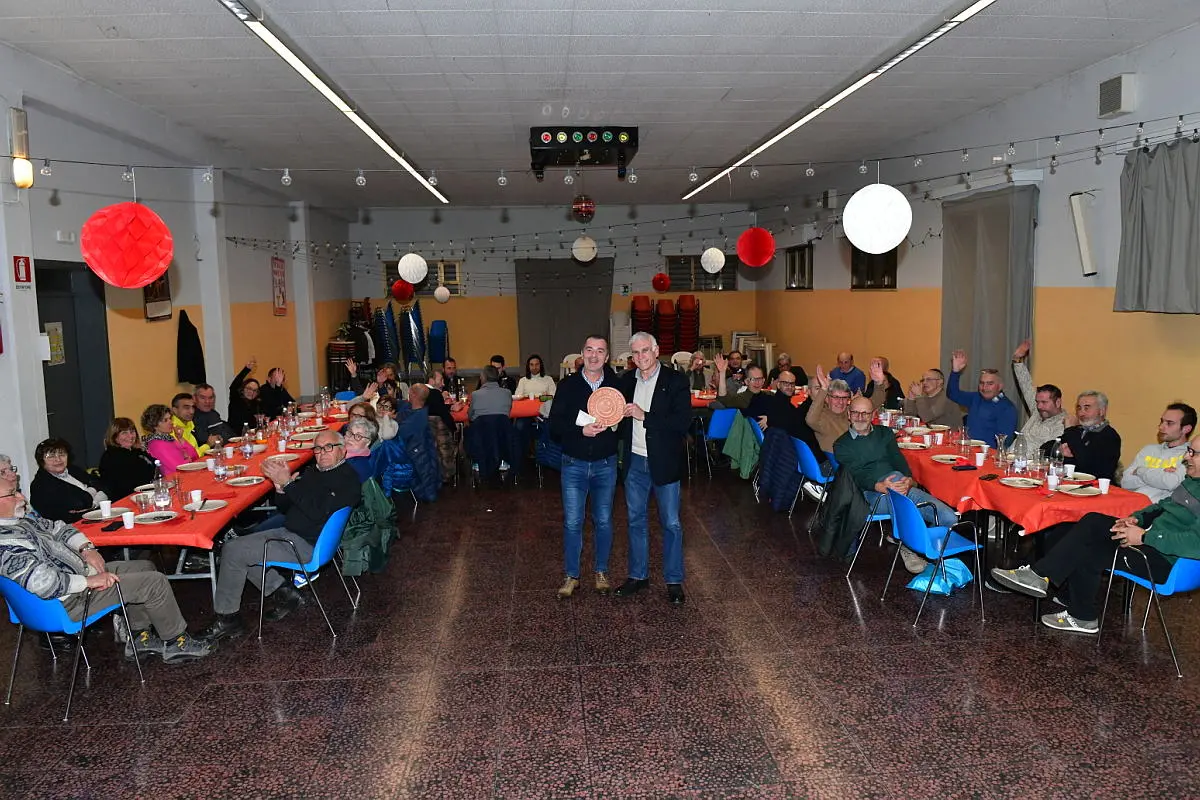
pixel 607 405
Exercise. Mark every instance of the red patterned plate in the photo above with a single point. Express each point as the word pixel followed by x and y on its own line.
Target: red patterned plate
pixel 607 405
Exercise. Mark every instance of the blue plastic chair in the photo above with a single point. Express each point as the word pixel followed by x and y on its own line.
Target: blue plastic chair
pixel 719 426
pixel 27 610
pixel 874 516
pixel 934 544
pixel 810 470
pixel 323 552
pixel 345 396
pixel 1183 577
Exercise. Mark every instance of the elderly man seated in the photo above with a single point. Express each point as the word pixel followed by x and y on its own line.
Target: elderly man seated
pixel 306 501
pixel 1163 532
pixel 55 561
pixel 749 398
pixel 783 363
pixel 870 454
pixel 927 399
pixel 1155 471
pixel 827 413
pixel 1050 420
pixel 846 371
pixel 989 412
pixel 780 413
pixel 1093 445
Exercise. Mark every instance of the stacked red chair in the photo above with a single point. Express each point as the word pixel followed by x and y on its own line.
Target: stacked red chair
pixel 665 326
pixel 641 314
pixel 688 314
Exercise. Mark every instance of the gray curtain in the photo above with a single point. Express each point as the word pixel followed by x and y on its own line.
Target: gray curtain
pixel 559 303
pixel 1160 230
pixel 987 279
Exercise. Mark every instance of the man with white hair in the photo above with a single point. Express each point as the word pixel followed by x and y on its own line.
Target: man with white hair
pixel 658 413
pixel 9 479
pixel 1093 445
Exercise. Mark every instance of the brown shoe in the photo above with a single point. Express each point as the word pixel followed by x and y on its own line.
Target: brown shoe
pixel 602 584
pixel 568 587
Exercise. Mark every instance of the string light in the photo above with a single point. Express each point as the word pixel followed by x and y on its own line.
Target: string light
pixel 918 161
pixel 1098 159
pixel 360 180
pixel 862 168
pixel 433 177
pixel 207 176
pixel 502 180
pixel 754 173
pixel 633 178
pixel 1054 165
pixel 46 170
pixel 810 171
pixel 1012 149
pixel 127 175
pixel 568 179
pixel 1057 142
pixel 693 176
pixel 286 178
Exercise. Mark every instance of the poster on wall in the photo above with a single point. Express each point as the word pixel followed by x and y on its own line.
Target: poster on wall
pixel 58 349
pixel 278 287
pixel 156 298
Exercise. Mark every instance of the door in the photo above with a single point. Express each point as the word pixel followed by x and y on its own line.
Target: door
pixel 71 296
pixel 559 304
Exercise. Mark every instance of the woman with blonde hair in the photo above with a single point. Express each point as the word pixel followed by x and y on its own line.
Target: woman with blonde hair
pixel 125 463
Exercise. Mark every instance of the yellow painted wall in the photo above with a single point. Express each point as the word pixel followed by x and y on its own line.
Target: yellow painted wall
pixel 142 358
pixel 1141 361
pixel 721 313
pixel 813 327
pixel 479 327
pixel 327 316
pixel 271 339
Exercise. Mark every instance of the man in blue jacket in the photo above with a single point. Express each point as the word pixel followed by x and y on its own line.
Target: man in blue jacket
pixel 989 412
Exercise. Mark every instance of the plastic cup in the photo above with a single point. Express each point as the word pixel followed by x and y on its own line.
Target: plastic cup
pixel 928 440
pixel 1104 484
pixel 106 508
pixel 938 438
pixel 229 451
pixel 1052 482
pixel 127 520
pixel 142 500
pixel 283 445
pixel 980 458
pixel 210 464
pixel 1069 469
pixel 197 495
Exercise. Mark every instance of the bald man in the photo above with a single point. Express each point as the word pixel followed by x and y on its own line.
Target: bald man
pixel 846 371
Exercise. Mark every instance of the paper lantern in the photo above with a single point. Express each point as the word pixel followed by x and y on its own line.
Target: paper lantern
pixel 756 247
pixel 403 291
pixel 584 249
pixel 413 268
pixel 712 260
pixel 661 282
pixel 441 294
pixel 127 245
pixel 583 208
pixel 877 218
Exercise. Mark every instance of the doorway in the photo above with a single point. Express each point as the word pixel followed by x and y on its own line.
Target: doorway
pixel 559 304
pixel 78 381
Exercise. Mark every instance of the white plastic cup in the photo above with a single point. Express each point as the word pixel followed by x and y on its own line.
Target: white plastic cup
pixel 229 451
pixel 928 440
pixel 979 459
pixel 283 445
pixel 210 464
pixel 1070 470
pixel 938 439
pixel 106 508
pixel 1104 484
pixel 127 520
pixel 197 496
pixel 1052 482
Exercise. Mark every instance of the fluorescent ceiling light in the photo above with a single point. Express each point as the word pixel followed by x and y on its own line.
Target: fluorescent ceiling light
pixel 821 108
pixel 255 22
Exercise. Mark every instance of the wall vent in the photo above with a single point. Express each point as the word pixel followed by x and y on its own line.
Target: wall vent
pixel 1117 96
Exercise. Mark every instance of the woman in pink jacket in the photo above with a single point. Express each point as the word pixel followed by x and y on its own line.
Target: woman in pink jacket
pixel 161 442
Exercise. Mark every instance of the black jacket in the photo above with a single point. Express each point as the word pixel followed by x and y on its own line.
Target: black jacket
pixel 189 354
pixel 207 424
pixel 1097 453
pixel 438 408
pixel 667 422
pixel 54 498
pixel 273 399
pixel 121 470
pixel 894 397
pixel 311 499
pixel 241 410
pixel 841 518
pixel 792 419
pixel 570 398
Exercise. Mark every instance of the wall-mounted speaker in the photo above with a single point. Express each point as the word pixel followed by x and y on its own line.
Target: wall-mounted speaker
pixel 1080 213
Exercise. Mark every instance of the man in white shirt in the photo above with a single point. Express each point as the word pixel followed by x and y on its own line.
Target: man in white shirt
pixel 1158 468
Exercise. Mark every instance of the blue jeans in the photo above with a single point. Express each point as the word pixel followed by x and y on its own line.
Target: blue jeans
pixel 579 479
pixel 637 498
pixel 941 514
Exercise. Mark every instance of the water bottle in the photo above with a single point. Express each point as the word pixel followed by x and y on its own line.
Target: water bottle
pixel 247 445
pixel 1020 452
pixel 162 491
pixel 1055 459
pixel 220 469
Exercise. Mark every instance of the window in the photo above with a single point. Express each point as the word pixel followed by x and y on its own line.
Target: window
pixel 445 273
pixel 687 275
pixel 871 271
pixel 798 263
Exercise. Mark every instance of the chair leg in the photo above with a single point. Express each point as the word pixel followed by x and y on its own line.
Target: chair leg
pixel 929 587
pixel 888 583
pixel 12 675
pixel 979 577
pixel 133 641
pixel 337 563
pixel 87 602
pixel 1170 645
pixel 1107 594
pixel 53 652
pixel 262 590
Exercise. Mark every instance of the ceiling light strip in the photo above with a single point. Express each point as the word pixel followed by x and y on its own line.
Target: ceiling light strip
pixel 906 53
pixel 257 25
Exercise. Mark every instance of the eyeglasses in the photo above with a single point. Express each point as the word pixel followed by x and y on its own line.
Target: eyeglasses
pixel 861 413
pixel 839 397
pixel 325 448
pixel 1191 452
pixel 356 435
pixel 756 379
pixel 785 383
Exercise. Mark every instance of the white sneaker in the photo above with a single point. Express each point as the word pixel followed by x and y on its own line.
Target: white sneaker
pixel 814 491
pixel 1062 621
pixel 1022 579
pixel 503 466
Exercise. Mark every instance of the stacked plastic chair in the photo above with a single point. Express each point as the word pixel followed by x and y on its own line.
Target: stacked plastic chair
pixel 688 312
pixel 439 341
pixel 385 330
pixel 641 314
pixel 664 326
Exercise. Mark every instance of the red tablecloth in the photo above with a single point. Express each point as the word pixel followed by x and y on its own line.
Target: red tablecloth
pixel 1031 510
pixel 199 532
pixel 527 407
pixel 703 400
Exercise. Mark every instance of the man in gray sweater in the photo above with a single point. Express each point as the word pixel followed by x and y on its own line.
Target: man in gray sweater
pixel 1047 419
pixel 1158 468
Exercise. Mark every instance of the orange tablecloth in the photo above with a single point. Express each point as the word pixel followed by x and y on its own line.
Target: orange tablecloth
pixel 524 408
pixel 199 532
pixel 703 400
pixel 1030 509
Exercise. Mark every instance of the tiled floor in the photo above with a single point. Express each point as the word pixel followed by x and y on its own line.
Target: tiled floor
pixel 462 676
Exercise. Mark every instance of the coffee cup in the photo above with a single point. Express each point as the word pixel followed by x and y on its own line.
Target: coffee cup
pixel 1069 469
pixel 282 445
pixel 106 508
pixel 127 520
pixel 1104 484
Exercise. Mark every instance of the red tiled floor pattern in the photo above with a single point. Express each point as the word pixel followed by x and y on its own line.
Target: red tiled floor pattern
pixel 462 676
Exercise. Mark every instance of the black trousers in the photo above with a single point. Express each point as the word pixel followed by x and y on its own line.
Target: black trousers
pixel 1084 553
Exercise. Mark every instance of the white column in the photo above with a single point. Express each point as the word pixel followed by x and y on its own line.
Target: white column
pixel 300 286
pixel 213 268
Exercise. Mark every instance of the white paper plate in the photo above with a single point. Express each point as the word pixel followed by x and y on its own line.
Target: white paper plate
pixel 339 416
pixel 1080 491
pixel 306 415
pixel 978 443
pixel 233 440
pixel 1080 477
pixel 248 480
pixel 912 445
pixel 283 457
pixel 1021 483
pixel 205 506
pixel 145 487
pixel 307 436
pixel 939 428
pixel 310 429
pixel 945 458
pixel 115 512
pixel 195 466
pixel 300 445
pixel 155 517
pixel 260 448
pixel 917 430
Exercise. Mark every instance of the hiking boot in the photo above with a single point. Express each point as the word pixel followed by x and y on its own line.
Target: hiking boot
pixel 186 647
pixel 1062 621
pixel 142 644
pixel 568 587
pixel 1023 580
pixel 602 584
pixel 285 600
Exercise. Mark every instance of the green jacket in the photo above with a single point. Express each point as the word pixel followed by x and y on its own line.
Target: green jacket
pixel 869 458
pixel 742 447
pixel 1173 529
pixel 369 533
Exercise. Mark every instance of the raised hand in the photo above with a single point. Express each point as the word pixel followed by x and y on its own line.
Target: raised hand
pixel 958 360
pixel 721 362
pixel 915 390
pixel 252 363
pixel 876 371
pixel 822 378
pixel 371 390
pixel 351 367
pixel 1022 350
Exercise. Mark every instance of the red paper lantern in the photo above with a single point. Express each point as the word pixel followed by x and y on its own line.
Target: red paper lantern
pixel 127 245
pixel 756 247
pixel 403 291
pixel 661 282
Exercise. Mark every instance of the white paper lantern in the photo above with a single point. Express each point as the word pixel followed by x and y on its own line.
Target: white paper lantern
pixel 877 218
pixel 413 268
pixel 584 249
pixel 713 260
pixel 441 294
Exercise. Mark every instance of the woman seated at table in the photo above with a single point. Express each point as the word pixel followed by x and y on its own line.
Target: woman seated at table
pixel 60 490
pixel 359 410
pixel 385 411
pixel 698 376
pixel 161 442
pixel 536 382
pixel 361 433
pixel 244 404
pixel 125 464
